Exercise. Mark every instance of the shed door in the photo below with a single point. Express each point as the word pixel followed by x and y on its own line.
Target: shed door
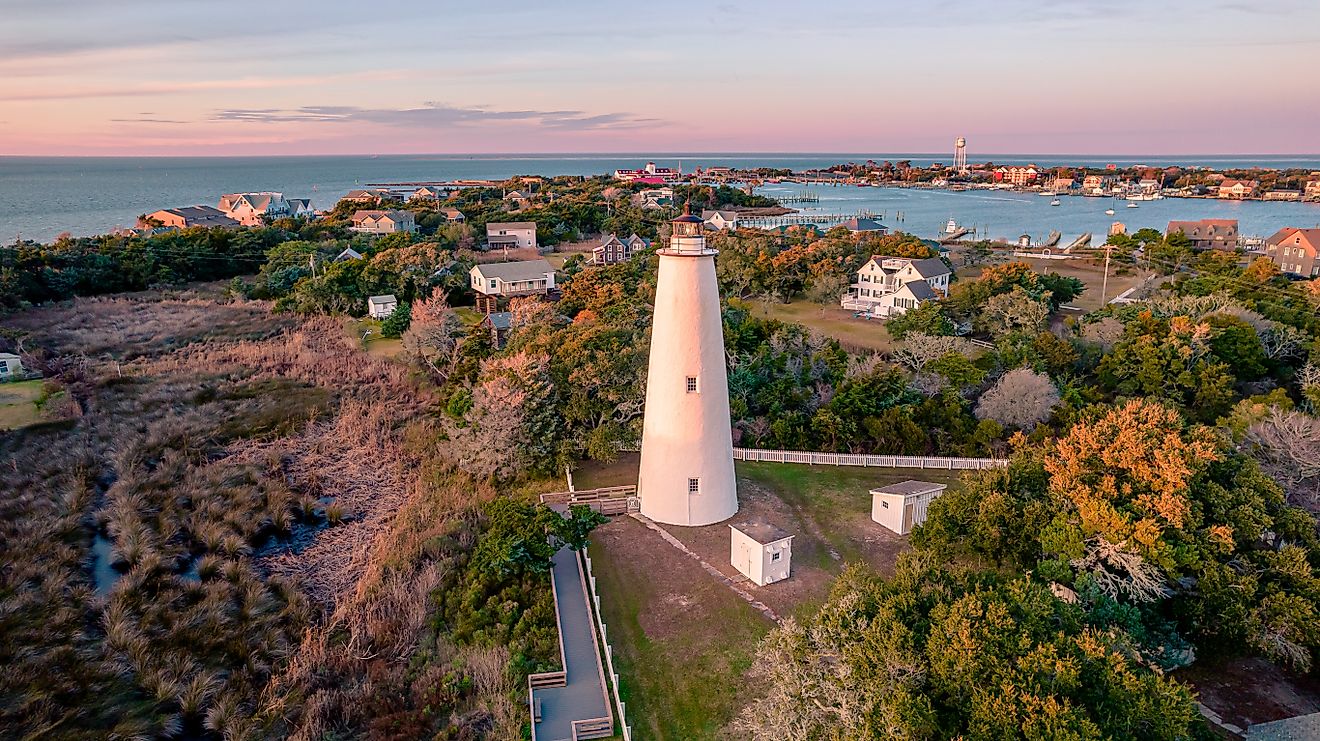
pixel 908 514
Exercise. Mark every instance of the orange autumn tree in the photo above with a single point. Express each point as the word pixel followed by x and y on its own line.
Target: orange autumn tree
pixel 1128 473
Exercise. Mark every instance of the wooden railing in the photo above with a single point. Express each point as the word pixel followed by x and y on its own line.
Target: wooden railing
pixel 594 604
pixel 610 500
pixel 868 461
pixel 593 728
pixel 542 680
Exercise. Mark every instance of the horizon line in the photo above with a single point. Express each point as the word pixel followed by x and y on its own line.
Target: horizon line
pixel 671 155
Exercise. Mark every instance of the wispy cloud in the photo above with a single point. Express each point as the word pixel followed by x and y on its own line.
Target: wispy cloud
pixel 438 115
pixel 145 119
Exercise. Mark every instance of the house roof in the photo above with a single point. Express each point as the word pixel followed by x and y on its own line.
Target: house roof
pixel 376 215
pixel 499 319
pixel 495 226
pixel 199 215
pixel 708 214
pixel 387 298
pixel 920 289
pixel 348 254
pixel 9 356
pixel 864 225
pixel 930 267
pixel 762 532
pixel 511 271
pixel 1214 225
pixel 907 488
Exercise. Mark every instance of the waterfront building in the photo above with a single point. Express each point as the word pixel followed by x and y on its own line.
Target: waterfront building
pixel 382 222
pixel 686 474
pixel 1017 175
pixel 870 226
pixel 252 209
pixel 1312 192
pixel 1295 251
pixel 1097 185
pixel 1220 234
pixel 888 286
pixel 649 173
pixel 1283 195
pixel 511 234
pixel 186 217
pixel 1238 189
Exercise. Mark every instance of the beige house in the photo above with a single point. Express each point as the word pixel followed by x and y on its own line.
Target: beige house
pixel 760 552
pixel 429 193
pixel 888 286
pixel 453 215
pixel 380 307
pixel 511 234
pixel 1220 234
pixel 383 222
pixel 251 209
pixel 1238 189
pixel 187 217
pixel 1295 251
pixel 11 366
pixel 902 506
pixel 494 281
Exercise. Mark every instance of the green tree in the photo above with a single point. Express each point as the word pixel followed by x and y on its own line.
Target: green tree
pixel 397 322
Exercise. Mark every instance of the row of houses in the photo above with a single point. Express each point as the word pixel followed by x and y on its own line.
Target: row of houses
pixel 1293 249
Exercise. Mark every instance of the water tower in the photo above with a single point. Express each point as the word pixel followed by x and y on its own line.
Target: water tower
pixel 686 475
pixel 960 155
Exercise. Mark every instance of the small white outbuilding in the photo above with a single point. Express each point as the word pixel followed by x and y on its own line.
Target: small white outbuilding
pixel 902 506
pixel 761 552
pixel 380 307
pixel 11 366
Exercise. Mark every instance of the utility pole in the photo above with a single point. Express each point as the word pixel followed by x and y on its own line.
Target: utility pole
pixel 1104 285
pixel 311 263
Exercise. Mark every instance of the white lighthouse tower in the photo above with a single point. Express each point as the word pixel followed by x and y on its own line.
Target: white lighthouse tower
pixel 686 475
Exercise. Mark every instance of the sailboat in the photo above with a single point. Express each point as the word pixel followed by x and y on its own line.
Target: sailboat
pixel 1110 211
pixel 1056 202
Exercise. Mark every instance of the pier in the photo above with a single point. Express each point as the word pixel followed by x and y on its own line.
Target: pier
pixel 771 222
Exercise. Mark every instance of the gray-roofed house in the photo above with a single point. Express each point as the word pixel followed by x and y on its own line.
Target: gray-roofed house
pixel 613 250
pixel 720 219
pixel 511 234
pixel 348 254
pixel 380 307
pixel 494 281
pixel 902 506
pixel 888 286
pixel 383 222
pixel 857 224
pixel 187 217
pixel 453 215
pixel 499 323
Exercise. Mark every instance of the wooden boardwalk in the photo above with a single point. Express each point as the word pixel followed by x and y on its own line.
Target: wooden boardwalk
pixel 578 708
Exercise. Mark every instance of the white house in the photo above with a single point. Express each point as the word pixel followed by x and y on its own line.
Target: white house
pixel 11 366
pixel 348 254
pixel 720 219
pixel 511 279
pixel 511 234
pixel 761 552
pixel 656 197
pixel 902 506
pixel 379 307
pixel 383 222
pixel 613 250
pixel 888 286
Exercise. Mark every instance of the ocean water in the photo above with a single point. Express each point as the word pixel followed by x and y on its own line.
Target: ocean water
pixel 1006 215
pixel 40 197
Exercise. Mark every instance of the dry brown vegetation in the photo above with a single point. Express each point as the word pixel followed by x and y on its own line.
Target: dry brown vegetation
pixel 280 513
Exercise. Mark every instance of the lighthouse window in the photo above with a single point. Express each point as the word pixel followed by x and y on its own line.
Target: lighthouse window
pixel 692 384
pixel 694 486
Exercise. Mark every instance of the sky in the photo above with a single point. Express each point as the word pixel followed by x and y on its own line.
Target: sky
pixel 193 77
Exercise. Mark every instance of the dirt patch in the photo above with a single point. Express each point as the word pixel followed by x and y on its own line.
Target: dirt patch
pixel 1252 690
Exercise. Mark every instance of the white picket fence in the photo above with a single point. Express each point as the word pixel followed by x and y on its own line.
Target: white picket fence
pixel 605 643
pixel 867 461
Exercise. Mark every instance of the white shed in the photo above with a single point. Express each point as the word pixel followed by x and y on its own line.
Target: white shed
pixel 380 307
pixel 761 552
pixel 902 506
pixel 11 366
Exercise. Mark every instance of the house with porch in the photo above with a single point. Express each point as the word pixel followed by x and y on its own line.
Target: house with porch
pixel 720 219
pixel 889 286
pixel 505 280
pixel 1238 189
pixel 511 234
pixel 251 209
pixel 187 217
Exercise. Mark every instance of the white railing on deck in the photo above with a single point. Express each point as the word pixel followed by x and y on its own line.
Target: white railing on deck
pixel 868 461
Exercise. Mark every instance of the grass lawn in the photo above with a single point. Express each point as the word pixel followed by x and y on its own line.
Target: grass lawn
pixel 831 321
pixel 1091 272
pixel 682 641
pixel 468 315
pixel 385 347
pixel 18 406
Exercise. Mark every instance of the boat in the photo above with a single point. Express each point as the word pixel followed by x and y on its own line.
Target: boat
pixel 1109 211
pixel 1132 205
pixel 951 227
pixel 1056 202
pixel 1048 194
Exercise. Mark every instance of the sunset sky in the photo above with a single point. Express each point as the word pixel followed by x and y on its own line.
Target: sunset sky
pixel 311 77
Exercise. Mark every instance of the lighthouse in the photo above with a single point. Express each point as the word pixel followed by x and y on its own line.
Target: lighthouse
pixel 686 475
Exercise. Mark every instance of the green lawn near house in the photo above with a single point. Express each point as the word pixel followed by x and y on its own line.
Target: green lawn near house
pixel 682 641
pixel 829 320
